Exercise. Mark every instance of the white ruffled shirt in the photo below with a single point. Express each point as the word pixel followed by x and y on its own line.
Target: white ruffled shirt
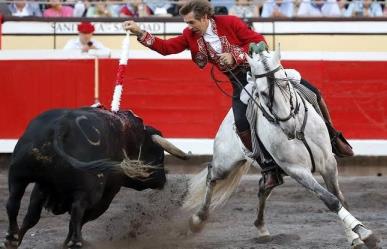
pixel 212 39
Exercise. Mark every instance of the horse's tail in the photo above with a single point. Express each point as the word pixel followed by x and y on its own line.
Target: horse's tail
pixel 221 192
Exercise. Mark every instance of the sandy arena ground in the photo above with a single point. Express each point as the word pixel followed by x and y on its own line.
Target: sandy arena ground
pixel 154 220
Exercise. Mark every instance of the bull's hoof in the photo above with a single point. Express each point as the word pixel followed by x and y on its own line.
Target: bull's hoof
pixel 358 244
pixel 196 224
pixel 74 245
pixel 11 241
pixel 9 245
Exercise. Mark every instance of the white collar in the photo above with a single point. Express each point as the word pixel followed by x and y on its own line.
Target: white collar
pixel 209 30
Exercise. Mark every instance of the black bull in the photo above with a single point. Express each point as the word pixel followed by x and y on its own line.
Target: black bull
pixel 78 160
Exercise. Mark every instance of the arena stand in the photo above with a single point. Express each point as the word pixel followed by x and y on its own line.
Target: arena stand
pixel 346 59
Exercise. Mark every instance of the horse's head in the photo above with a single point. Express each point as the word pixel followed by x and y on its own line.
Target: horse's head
pixel 269 75
pixel 261 60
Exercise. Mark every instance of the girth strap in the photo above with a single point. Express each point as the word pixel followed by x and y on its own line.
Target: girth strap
pixel 300 135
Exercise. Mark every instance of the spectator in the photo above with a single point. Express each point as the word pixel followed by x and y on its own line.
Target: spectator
pixel 316 8
pixel 385 8
pixel 103 9
pixel 80 8
pixel 175 7
pixel 158 7
pixel 223 3
pixel 364 8
pixel 22 8
pixel 85 42
pixel 57 10
pixel 343 5
pixel 4 9
pixel 244 9
pixel 278 8
pixel 135 8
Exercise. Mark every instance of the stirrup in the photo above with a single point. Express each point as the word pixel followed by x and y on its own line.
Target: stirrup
pixel 272 179
pixel 271 174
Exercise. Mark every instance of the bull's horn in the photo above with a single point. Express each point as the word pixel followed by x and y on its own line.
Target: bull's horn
pixel 169 147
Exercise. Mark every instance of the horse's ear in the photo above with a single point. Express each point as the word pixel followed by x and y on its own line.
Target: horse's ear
pixel 257 48
pixel 262 46
pixel 252 46
pixel 249 59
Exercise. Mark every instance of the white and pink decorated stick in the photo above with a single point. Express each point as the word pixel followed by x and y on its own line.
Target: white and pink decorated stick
pixel 120 74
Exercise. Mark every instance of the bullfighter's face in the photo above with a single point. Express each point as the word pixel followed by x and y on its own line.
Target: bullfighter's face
pixel 196 25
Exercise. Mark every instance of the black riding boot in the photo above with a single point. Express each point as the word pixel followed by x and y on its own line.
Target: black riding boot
pixel 340 145
pixel 270 171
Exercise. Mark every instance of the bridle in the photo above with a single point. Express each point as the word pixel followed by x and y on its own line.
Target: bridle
pixel 271 115
pixel 273 118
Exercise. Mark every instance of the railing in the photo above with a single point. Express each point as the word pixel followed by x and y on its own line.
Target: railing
pixel 165 8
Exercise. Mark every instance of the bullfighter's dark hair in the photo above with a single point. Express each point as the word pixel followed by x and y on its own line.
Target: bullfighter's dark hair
pixel 200 8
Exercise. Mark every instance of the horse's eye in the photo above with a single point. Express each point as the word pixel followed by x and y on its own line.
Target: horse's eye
pixel 263 94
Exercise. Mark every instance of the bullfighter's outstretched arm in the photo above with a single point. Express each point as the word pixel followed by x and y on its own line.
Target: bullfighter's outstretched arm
pixel 165 47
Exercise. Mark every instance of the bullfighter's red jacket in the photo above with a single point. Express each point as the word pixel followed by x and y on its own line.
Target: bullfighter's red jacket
pixel 233 33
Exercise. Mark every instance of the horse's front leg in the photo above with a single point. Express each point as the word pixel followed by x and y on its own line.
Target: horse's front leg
pixel 303 176
pixel 330 176
pixel 263 195
pixel 197 220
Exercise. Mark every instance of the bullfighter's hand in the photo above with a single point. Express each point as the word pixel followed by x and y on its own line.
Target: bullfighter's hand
pixel 226 59
pixel 133 27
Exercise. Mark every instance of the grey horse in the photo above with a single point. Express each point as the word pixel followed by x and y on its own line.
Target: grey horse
pixel 297 144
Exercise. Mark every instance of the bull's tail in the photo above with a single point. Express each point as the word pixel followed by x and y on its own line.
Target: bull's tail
pixel 221 192
pixel 133 169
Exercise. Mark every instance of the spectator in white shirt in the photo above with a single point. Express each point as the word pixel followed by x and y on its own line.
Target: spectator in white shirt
pixel 22 8
pixel 85 42
pixel 158 7
pixel 364 8
pixel 278 8
pixel 317 8
pixel 244 9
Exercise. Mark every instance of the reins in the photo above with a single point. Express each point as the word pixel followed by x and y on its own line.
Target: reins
pixel 217 83
pixel 300 135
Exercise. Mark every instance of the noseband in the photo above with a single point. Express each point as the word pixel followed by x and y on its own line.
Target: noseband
pixel 272 116
pixel 268 73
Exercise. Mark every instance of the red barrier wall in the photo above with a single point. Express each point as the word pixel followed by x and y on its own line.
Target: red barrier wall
pixel 1 25
pixel 178 98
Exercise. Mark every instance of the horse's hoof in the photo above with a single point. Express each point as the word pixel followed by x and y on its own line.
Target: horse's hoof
pixel 196 224
pixel 363 232
pixel 263 233
pixel 372 242
pixel 358 244
pixel 263 239
pixel 368 237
